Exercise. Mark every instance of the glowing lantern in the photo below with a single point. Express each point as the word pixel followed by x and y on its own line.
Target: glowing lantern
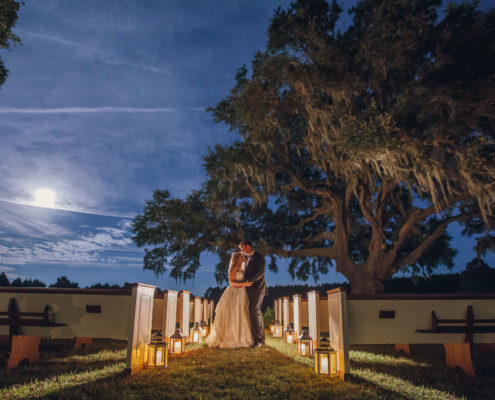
pixel 177 342
pixel 196 334
pixel 157 351
pixel 325 359
pixel 289 334
pixel 305 344
pixel 205 330
pixel 277 329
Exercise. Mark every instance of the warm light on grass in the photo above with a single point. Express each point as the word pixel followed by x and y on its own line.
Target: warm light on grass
pixel 273 371
pixel 403 377
pixel 47 386
pixel 364 356
pixel 402 387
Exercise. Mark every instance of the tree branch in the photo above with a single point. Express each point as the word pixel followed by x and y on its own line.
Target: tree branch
pixel 440 230
pixel 417 216
pixel 329 252
pixel 320 236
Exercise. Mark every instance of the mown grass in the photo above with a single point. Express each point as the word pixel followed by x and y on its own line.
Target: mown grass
pixel 273 371
pixel 422 375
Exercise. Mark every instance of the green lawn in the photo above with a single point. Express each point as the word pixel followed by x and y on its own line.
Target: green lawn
pixel 273 371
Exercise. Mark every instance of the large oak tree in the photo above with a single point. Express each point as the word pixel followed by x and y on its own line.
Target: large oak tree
pixel 357 146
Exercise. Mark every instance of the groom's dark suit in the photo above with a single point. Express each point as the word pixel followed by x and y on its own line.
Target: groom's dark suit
pixel 255 272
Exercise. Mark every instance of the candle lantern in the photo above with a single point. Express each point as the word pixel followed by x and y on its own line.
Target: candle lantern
pixel 271 325
pixel 277 329
pixel 289 334
pixel 325 359
pixel 305 344
pixel 196 333
pixel 177 342
pixel 205 329
pixel 157 351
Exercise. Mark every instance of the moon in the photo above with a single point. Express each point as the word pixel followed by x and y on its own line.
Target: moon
pixel 44 198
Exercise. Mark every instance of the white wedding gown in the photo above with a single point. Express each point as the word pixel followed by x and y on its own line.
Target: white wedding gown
pixel 232 326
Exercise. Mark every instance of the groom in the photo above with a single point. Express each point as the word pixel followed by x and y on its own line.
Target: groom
pixel 255 272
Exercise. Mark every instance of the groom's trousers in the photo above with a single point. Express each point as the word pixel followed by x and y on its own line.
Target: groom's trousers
pixel 257 327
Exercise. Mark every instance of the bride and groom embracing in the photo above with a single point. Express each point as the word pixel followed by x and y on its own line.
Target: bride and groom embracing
pixel 238 321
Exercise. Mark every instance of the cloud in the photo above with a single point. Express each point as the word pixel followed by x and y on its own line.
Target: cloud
pixel 92 52
pixel 104 245
pixel 83 110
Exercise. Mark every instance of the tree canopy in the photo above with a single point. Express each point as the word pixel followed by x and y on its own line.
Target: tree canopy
pixel 64 282
pixel 8 17
pixel 357 147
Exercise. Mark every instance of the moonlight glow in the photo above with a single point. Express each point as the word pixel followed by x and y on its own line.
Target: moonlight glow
pixel 44 198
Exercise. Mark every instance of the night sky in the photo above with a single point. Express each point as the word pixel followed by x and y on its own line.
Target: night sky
pixel 104 103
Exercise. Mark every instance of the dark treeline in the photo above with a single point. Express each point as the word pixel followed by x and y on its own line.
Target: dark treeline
pixel 62 282
pixel 478 277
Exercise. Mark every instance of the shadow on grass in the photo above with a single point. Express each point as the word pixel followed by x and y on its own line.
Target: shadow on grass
pixel 424 367
pixel 22 376
pixel 57 357
pixel 102 388
pixel 66 346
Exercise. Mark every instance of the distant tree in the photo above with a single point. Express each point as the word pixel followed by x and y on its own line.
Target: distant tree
pixel 214 293
pixel 8 17
pixel 64 282
pixel 478 277
pixel 33 283
pixel 17 282
pixel 4 281
pixel 358 147
pixel 477 266
pixel 104 286
pixel 436 283
pixel 268 316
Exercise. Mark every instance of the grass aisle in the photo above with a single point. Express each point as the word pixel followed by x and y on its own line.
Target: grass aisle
pixel 273 371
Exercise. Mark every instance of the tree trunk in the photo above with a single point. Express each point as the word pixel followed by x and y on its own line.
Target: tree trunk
pixel 364 282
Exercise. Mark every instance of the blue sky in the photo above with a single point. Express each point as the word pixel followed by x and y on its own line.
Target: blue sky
pixel 104 103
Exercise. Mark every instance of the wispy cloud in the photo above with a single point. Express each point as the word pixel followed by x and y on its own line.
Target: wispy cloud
pixel 102 245
pixel 74 209
pixel 83 110
pixel 93 52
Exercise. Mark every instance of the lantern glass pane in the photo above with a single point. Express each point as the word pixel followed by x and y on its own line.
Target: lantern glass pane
pixel 176 346
pixel 151 355
pixel 160 357
pixel 333 364
pixel 305 347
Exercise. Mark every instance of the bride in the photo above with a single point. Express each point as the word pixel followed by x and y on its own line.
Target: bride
pixel 232 327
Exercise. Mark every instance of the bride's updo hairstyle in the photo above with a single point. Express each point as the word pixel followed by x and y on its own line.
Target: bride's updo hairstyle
pixel 236 260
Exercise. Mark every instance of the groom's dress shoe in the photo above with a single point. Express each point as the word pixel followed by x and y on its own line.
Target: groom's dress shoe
pixel 256 345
